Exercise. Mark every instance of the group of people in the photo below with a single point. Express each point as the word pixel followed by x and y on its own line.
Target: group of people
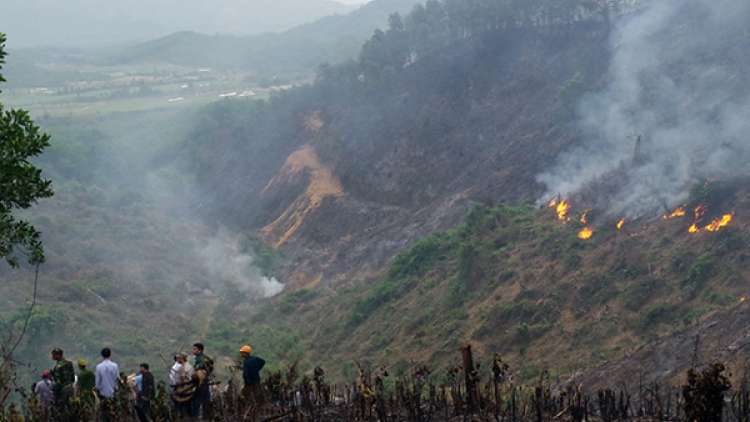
pixel 58 386
pixel 189 381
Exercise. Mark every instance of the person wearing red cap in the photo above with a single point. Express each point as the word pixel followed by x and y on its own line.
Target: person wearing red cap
pixel 43 390
pixel 251 366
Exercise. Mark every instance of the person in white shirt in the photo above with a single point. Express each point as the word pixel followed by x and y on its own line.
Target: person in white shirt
pixel 43 390
pixel 181 372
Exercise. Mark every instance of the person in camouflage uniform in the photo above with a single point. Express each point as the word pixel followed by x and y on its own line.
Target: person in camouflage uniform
pixel 63 375
pixel 86 381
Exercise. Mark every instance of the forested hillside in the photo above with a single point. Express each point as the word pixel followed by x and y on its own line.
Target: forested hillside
pixel 402 198
pixel 458 104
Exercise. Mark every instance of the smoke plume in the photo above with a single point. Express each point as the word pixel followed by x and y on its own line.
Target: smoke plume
pixel 673 111
pixel 226 264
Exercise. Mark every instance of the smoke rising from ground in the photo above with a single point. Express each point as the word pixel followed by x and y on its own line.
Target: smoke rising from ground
pixel 678 82
pixel 224 262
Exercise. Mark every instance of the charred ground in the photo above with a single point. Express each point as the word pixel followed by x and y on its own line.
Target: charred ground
pixel 425 247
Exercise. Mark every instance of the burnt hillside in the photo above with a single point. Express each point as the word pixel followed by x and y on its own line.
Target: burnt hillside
pixel 474 123
pixel 401 188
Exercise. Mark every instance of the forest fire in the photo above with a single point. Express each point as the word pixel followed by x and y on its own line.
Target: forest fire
pixel 699 213
pixel 714 225
pixel 561 208
pixel 679 212
pixel 719 223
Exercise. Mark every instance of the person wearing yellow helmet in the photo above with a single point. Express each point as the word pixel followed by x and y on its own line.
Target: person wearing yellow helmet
pixel 251 366
pixel 86 382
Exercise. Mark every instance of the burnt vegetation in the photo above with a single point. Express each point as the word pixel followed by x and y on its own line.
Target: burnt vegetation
pixel 436 133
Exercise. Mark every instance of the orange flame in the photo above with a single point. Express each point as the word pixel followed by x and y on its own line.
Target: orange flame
pixel 561 208
pixel 699 211
pixel 719 223
pixel 679 212
pixel 583 217
pixel 742 299
pixel 585 233
pixel 619 224
pixel 715 225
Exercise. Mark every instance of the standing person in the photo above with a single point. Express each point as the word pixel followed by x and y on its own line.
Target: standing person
pixel 107 374
pixel 251 366
pixel 86 383
pixel 146 393
pixel 43 389
pixel 202 398
pixel 181 372
pixel 63 376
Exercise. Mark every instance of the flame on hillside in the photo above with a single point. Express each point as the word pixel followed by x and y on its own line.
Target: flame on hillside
pixel 699 212
pixel 714 225
pixel 679 212
pixel 719 222
pixel 562 209
pixel 585 233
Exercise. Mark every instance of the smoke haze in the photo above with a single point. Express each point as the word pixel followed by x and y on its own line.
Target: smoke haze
pixel 224 262
pixel 34 23
pixel 674 110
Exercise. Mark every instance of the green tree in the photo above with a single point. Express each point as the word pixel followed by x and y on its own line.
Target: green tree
pixel 21 183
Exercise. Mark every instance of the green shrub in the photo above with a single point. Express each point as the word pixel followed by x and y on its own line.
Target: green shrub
pixel 481 332
pixel 681 261
pixel 266 258
pixel 460 314
pixel 294 299
pixel 700 271
pixel 419 258
pixel 698 194
pixel 640 293
pixel 572 260
pixel 457 294
pixel 659 313
pixel 568 96
pixel 467 254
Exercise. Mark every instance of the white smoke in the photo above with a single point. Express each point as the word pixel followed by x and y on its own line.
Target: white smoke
pixel 678 80
pixel 224 262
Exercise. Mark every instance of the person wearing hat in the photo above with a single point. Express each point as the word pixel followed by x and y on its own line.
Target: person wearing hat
pixel 251 366
pixel 63 376
pixel 86 382
pixel 180 373
pixel 43 390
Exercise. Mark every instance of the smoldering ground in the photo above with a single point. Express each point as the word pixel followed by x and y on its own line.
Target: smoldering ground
pixel 673 110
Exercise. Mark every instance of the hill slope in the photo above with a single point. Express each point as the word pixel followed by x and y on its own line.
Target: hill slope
pixel 403 200
pixel 482 120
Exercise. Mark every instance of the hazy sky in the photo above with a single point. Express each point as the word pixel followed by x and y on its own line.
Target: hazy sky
pixel 75 22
